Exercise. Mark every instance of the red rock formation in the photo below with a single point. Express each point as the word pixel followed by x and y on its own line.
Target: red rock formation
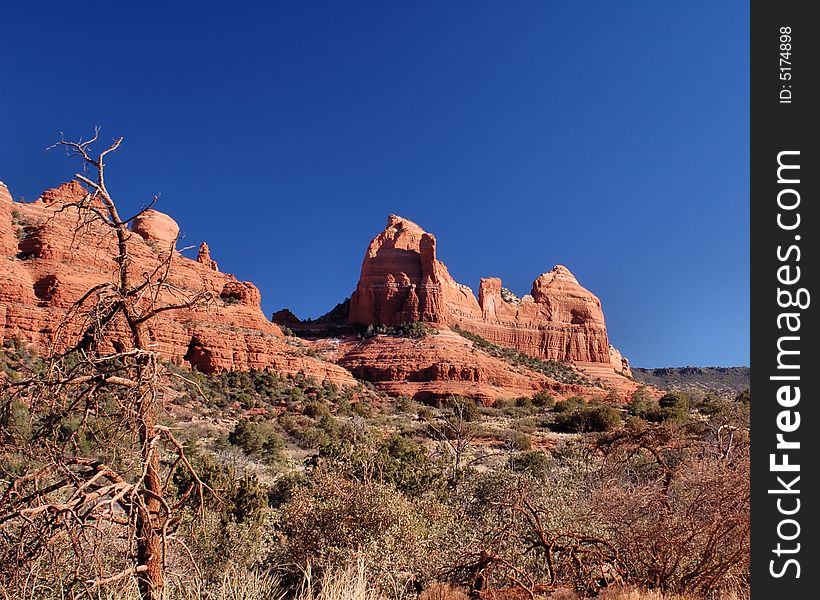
pixel 203 257
pixel 50 258
pixel 442 365
pixel 156 227
pixel 285 318
pixel 403 281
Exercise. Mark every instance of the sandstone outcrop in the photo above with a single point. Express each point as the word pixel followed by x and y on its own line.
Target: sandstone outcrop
pixel 203 257
pixel 159 228
pixel 444 364
pixel 285 318
pixel 403 281
pixel 49 258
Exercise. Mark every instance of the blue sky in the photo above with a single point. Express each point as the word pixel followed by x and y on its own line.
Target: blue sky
pixel 612 137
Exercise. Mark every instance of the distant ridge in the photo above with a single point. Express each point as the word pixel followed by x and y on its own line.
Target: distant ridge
pixel 723 381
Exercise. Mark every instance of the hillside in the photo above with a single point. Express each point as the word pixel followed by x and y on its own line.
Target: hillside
pixel 723 381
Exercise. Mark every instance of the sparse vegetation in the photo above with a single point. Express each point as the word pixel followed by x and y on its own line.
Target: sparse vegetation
pixel 725 382
pixel 406 497
pixel 550 368
pixel 416 330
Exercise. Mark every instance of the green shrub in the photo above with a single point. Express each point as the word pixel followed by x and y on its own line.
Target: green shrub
pixel 534 462
pixel 594 417
pixel 569 404
pixel 524 402
pixel 544 399
pixel 463 408
pixel 517 440
pixel 258 440
pixel 328 523
pixel 674 406
pixel 314 409
pixel 405 464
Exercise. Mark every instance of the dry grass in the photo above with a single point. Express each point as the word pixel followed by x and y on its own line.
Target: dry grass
pixel 443 591
pixel 347 584
pixel 633 593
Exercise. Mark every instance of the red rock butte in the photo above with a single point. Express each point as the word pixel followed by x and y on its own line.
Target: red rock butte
pixel 403 281
pixel 50 255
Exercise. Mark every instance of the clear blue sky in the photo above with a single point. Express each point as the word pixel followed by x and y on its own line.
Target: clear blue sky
pixel 612 137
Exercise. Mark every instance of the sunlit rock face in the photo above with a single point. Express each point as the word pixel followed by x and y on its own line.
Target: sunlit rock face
pixel 51 254
pixel 403 281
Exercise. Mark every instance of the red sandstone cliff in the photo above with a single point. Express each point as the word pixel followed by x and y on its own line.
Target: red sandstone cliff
pixel 403 281
pixel 50 256
pixel 446 364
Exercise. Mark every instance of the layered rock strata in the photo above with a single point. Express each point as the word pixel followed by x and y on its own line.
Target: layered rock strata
pixel 51 254
pixel 444 364
pixel 403 281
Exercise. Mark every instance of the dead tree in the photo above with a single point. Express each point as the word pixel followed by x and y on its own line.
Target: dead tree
pixel 455 433
pixel 100 388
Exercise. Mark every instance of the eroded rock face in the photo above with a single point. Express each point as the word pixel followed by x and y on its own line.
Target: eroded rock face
pixel 48 263
pixel 442 365
pixel 285 318
pixel 242 292
pixel 403 281
pixel 158 228
pixel 203 257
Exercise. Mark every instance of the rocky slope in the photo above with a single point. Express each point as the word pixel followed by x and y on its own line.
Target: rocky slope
pixel 51 254
pixel 403 281
pixel 723 381
pixel 443 364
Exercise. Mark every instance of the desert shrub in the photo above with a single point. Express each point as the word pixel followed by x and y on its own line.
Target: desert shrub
pixel 677 510
pixel 709 404
pixel 281 490
pixel 314 409
pixel 569 404
pixel 311 438
pixel 416 329
pixel 613 397
pixel 405 404
pixel 463 408
pixel 564 594
pixel 362 408
pixel 257 440
pixel 329 522
pixel 524 402
pixel 543 399
pixel 675 406
pixel 641 394
pixel 647 410
pixel 443 591
pixel 502 403
pixel 231 528
pixel 637 593
pixel 594 417
pixel 534 462
pixel 404 463
pixel 425 413
pixel 517 440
